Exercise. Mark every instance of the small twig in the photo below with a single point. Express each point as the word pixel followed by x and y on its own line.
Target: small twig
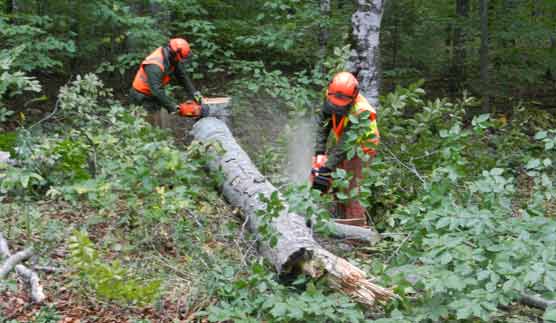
pixel 411 169
pixel 395 253
pixel 48 269
pixel 434 152
pixel 56 105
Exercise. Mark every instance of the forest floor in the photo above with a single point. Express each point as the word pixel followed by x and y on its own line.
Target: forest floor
pixel 256 126
pixel 259 127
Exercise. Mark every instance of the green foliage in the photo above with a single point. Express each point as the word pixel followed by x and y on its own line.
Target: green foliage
pixel 12 82
pixel 470 247
pixel 259 297
pixel 110 281
pixel 40 48
pixel 132 37
pixel 274 207
pixel 8 141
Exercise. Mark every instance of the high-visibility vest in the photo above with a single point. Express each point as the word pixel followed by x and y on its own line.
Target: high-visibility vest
pixel 140 83
pixel 361 105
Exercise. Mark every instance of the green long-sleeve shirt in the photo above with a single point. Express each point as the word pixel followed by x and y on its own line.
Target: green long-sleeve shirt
pixel 155 76
pixel 337 153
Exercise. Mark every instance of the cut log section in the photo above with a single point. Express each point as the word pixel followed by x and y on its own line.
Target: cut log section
pixel 296 251
pixel 219 107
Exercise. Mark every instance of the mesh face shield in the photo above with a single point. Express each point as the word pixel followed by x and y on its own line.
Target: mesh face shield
pixel 330 109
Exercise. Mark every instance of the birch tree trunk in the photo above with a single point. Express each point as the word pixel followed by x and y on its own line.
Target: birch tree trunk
pixel 295 251
pixel 364 61
pixel 484 55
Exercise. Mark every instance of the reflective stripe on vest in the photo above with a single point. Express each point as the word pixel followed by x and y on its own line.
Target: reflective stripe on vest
pixel 140 83
pixel 361 105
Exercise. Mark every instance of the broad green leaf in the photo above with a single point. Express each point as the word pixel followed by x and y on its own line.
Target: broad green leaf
pixel 549 315
pixel 533 164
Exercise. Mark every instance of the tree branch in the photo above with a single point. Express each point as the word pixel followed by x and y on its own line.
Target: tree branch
pixel 14 260
pixel 37 294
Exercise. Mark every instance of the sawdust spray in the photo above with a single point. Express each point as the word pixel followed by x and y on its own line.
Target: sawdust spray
pixel 301 139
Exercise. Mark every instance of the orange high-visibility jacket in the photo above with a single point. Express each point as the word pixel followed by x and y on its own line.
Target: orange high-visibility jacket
pixel 361 105
pixel 140 83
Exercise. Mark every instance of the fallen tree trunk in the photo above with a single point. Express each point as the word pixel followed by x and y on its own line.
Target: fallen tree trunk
pixel 296 251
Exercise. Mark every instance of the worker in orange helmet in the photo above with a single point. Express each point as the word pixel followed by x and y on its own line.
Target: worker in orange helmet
pixel 342 99
pixel 156 71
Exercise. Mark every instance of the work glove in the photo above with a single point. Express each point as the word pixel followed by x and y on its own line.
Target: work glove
pixel 198 97
pixel 172 110
pixel 322 180
pixel 319 159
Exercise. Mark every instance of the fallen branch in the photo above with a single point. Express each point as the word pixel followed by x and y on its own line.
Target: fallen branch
pixel 296 251
pixel 14 260
pixel 37 294
pixel 350 232
pixel 535 301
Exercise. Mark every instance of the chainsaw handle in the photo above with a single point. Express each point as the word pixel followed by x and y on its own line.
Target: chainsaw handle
pixel 319 161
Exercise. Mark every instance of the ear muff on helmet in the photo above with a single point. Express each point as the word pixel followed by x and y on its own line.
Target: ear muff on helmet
pixel 343 89
pixel 330 108
pixel 179 48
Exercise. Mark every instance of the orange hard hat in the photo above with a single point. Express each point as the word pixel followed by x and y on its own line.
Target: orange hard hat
pixel 180 48
pixel 343 89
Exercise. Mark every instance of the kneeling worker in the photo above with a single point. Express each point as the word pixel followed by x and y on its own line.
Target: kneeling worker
pixel 342 100
pixel 156 71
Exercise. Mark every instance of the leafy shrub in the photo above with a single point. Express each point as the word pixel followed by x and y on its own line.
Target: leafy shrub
pixel 13 82
pixel 47 51
pixel 259 297
pixel 110 281
pixel 8 141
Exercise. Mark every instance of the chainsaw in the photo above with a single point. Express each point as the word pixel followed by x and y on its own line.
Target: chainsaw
pixel 319 180
pixel 214 107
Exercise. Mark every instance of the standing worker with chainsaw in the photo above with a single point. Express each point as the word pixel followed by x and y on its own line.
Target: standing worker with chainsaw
pixel 342 99
pixel 156 71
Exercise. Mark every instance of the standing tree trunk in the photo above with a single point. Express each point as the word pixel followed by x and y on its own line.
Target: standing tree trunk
pixel 324 33
pixel 11 9
pixel 458 58
pixel 364 61
pixel 42 6
pixel 484 55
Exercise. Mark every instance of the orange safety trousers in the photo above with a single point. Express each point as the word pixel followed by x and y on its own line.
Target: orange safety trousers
pixel 352 212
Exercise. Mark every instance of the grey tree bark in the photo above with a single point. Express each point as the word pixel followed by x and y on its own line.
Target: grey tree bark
pixel 37 294
pixel 484 62
pixel 296 251
pixel 365 57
